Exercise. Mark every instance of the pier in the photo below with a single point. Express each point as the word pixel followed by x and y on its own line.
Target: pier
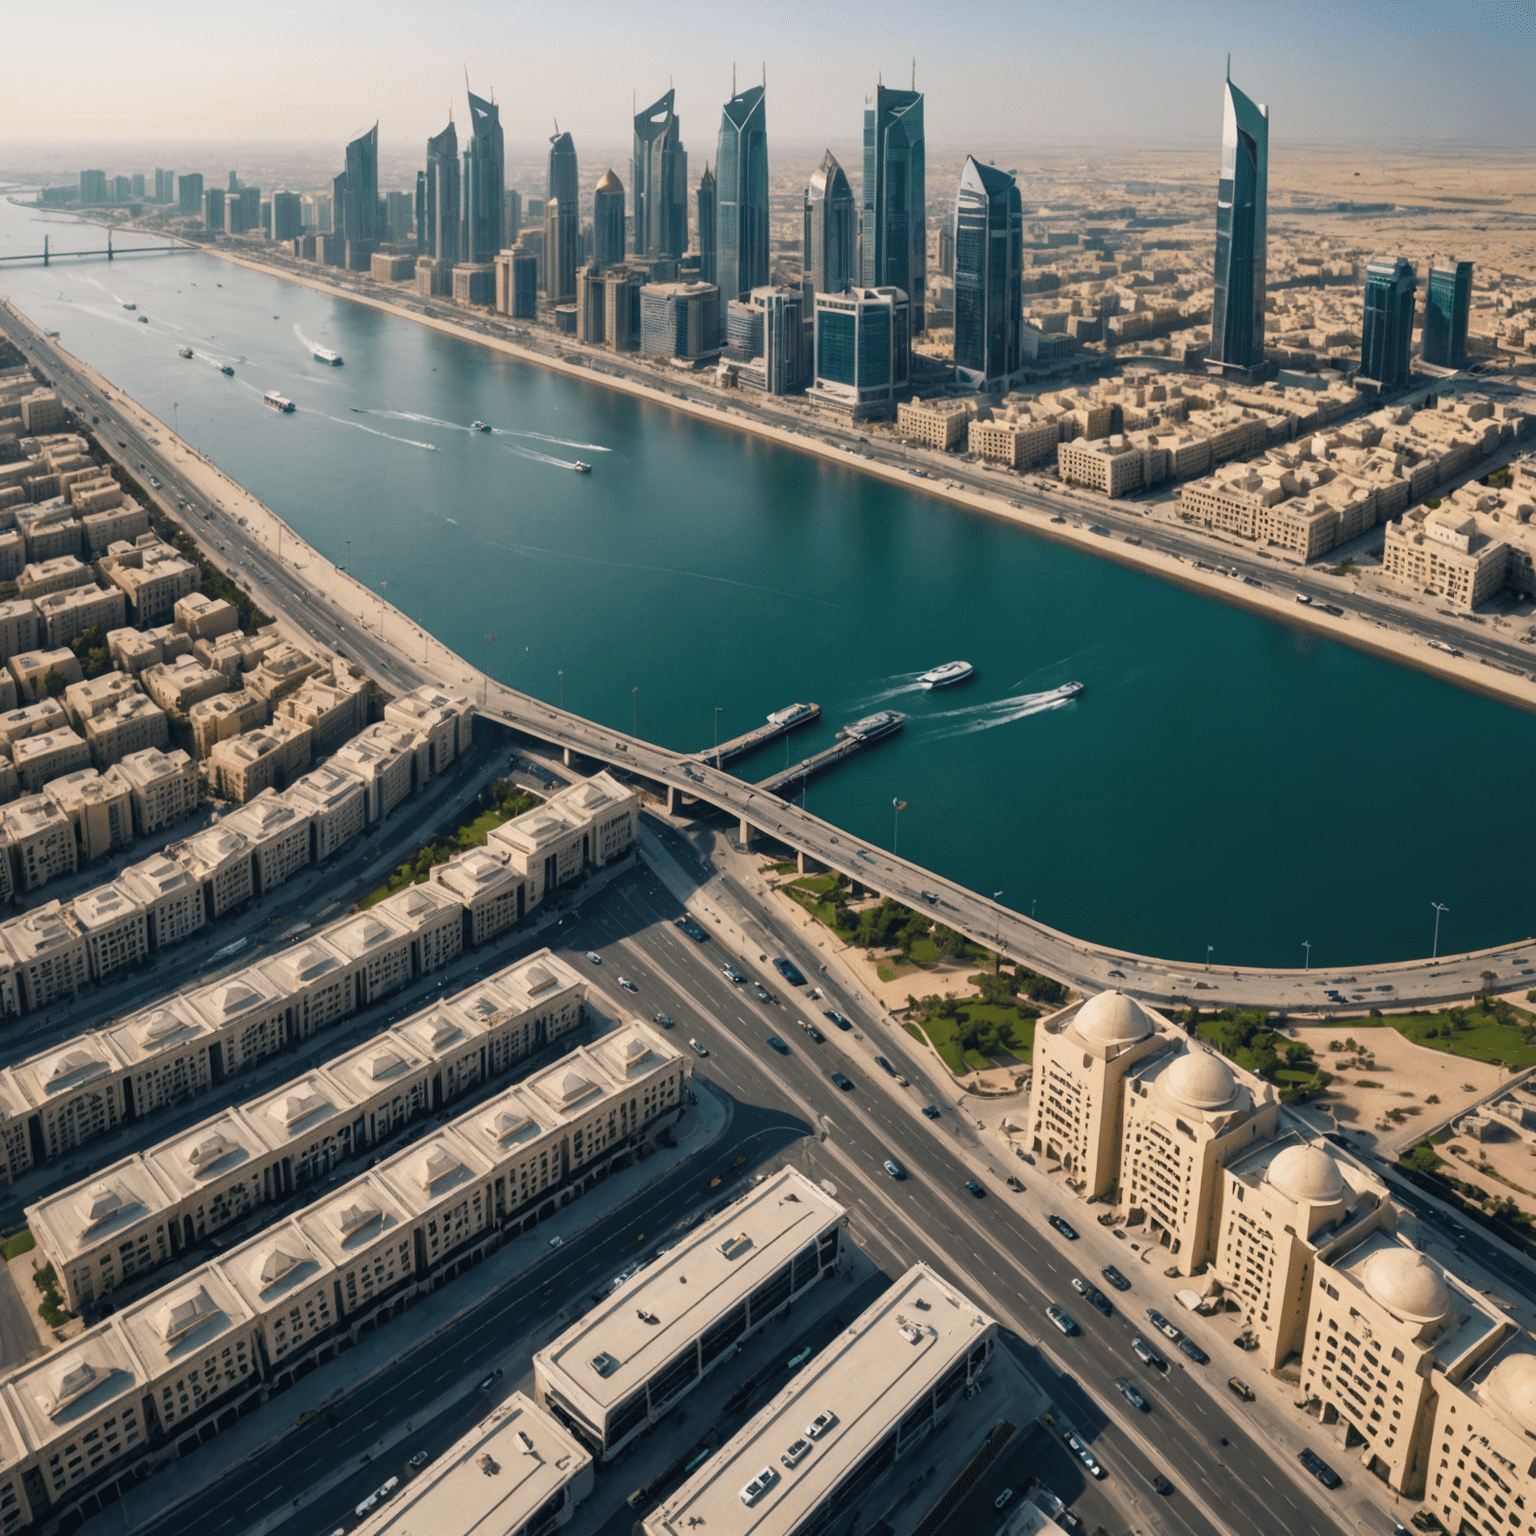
pixel 777 783
pixel 717 757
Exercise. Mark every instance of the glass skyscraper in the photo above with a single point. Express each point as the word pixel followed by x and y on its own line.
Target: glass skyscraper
pixel 1237 315
pixel 608 221
pixel 1447 300
pixel 562 226
pixel 483 184
pixel 989 273
pixel 659 176
pixel 440 216
pixel 707 210
pixel 741 175
pixel 1387 331
pixel 831 256
pixel 357 201
pixel 893 237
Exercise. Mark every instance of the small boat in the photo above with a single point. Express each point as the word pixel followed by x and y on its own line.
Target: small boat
pixel 130 306
pixel 185 352
pixel 581 469
pixel 276 401
pixel 950 672
pixel 478 426
pixel 1068 691
pixel 143 319
pixel 873 727
pixel 227 371
pixel 325 355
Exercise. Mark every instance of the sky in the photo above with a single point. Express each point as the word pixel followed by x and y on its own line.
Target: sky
pixel 169 71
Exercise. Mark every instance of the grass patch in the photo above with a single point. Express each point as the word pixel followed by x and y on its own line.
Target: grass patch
pixel 22 1242
pixel 924 951
pixel 1496 1033
pixel 1243 1035
pixel 968 1032
pixel 817 885
pixel 885 973
pixel 51 1307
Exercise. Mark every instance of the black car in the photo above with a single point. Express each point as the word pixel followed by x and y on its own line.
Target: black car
pixel 845 1083
pixel 1195 1353
pixel 1163 1326
pixel 1319 1468
pixel 836 1017
pixel 775 1044
pixel 974 1190
pixel 1064 1228
pixel 1014 1185
pixel 789 972
pixel 1115 1278
pixel 692 929
pixel 1098 1300
pixel 665 1020
pixel 763 994
pixel 932 1111
pixel 814 1033
pixel 1160 1484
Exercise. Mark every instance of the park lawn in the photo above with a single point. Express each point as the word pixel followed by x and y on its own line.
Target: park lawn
pixel 22 1242
pixel 925 952
pixel 941 1037
pixel 944 1035
pixel 1486 1039
pixel 1021 1031
pixel 817 885
pixel 471 835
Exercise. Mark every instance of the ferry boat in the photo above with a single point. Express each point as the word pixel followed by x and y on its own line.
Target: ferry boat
pixel 581 469
pixel 950 672
pixel 478 426
pixel 793 715
pixel 276 401
pixel 325 355
pixel 227 371
pixel 185 352
pixel 872 727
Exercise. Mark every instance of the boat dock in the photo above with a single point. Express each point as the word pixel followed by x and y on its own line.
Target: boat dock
pixel 790 779
pixel 797 715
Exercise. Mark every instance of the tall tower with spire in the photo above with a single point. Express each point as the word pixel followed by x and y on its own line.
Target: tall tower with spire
pixel 741 172
pixel 893 240
pixel 562 222
pixel 1237 314
pixel 659 177
pixel 831 254
pixel 439 233
pixel 484 182
pixel 707 227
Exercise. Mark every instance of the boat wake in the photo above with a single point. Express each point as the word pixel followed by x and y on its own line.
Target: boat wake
pixel 410 442
pixel 540 437
pixel 544 437
pixel 902 682
pixel 541 458
pixel 426 421
pixel 304 341
pixel 986 717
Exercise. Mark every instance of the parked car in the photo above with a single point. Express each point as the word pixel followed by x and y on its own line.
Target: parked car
pixel 1195 1353
pixel 691 928
pixel 1063 1320
pixel 932 1111
pixel 885 1066
pixel 1147 1355
pixel 1131 1395
pixel 1163 1326
pixel 1063 1227
pixel 665 1020
pixel 775 1044
pixel 419 1460
pixel 1115 1278
pixel 845 1083
pixel 1080 1286
pixel 1160 1484
pixel 698 1049
pixel 763 994
pixel 1014 1185
pixel 974 1190
pixel 594 957
pixel 1319 1468
pixel 789 972
pixel 1083 1454
pixel 1100 1302
pixel 1242 1388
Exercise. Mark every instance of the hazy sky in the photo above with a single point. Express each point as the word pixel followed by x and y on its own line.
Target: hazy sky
pixel 169 70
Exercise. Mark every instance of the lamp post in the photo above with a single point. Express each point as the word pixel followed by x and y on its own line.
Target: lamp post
pixel 485 683
pixel 718 708
pixel 561 676
pixel 349 555
pixel 898 806
pixel 1308 947
pixel 634 710
pixel 1439 907
pixel 1208 949
pixel 176 418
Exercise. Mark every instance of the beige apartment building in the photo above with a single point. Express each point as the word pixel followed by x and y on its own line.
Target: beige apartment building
pixel 1014 437
pixel 112 921
pixel 32 720
pixel 171 898
pixel 41 842
pixel 154 578
pixel 99 809
pixel 134 724
pixel 177 685
pixel 1476 543
pixel 934 423
pixel 205 618
pixel 334 707
pixel 18 627
pixel 242 767
pixel 277 836
pixel 50 955
pixel 223 716
pixel 29 668
pixel 446 720
pixel 219 862
pixel 65 616
pixel 41 758
pixel 85 700
pixel 40 577
pixel 491 895
pixel 336 805
pixel 388 762
pixel 281 671
pixel 162 787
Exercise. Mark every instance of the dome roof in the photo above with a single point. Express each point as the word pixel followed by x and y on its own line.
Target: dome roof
pixel 610 182
pixel 1405 1283
pixel 1307 1173
pixel 1200 1080
pixel 1512 1385
pixel 1112 1018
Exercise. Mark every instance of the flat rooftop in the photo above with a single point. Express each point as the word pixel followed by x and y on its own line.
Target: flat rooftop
pixel 869 1376
pixel 489 1482
pixel 648 1319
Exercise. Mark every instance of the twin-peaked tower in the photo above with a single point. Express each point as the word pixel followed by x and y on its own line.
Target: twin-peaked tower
pixel 659 177
pixel 741 195
pixel 893 243
pixel 484 183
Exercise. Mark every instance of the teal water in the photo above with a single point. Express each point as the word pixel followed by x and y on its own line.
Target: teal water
pixel 1224 780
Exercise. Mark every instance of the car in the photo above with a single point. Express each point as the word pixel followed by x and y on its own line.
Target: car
pixel 1163 1326
pixel 796 1452
pixel 1194 1352
pixel 895 1169
pixel 789 971
pixel 1004 1499
pixel 594 957
pixel 845 1083
pixel 932 1111
pixel 1241 1387
pixel 1119 974
pixel 1063 1227
pixel 627 984
pixel 1083 1454
pixel 974 1190
pixel 1131 1395
pixel 1063 1320
pixel 1147 1355
pixel 419 1460
pixel 154 482
pixel 775 1044
pixel 1100 1302
pixel 1014 1185
pixel 1160 1484
pixel 1115 1278
pixel 665 1020
pixel 1080 1286
pixel 759 1486
pixel 836 1018
pixel 762 992
pixel 885 1066
pixel 1319 1468
pixel 814 1033
pixel 555 1242
pixel 698 1048
pixel 820 1425
pixel 691 928
pixel 489 1381
pixel 732 974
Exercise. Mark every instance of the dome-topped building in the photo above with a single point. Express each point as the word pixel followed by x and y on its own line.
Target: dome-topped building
pixel 1112 1019
pixel 1406 1284
pixel 1200 1080
pixel 1512 1386
pixel 1305 1173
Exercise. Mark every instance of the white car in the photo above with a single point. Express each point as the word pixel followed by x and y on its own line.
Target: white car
pixel 820 1425
pixel 594 957
pixel 627 984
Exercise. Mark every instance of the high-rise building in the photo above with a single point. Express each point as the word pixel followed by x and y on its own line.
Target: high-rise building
pixel 165 186
pixel 213 208
pixel 356 191
pixel 562 223
pixel 741 172
pixel 831 226
pixel 93 186
pixel 189 194
pixel 706 198
pixel 1387 330
pixel 136 184
pixel 122 189
pixel 893 241
pixel 1447 300
pixel 484 182
pixel 1237 316
pixel 287 216
pixel 242 210
pixel 679 319
pixel 439 235
pixel 989 272
pixel 608 221
pixel 399 210
pixel 862 351
pixel 946 252
pixel 234 182
pixel 511 217
pixel 659 176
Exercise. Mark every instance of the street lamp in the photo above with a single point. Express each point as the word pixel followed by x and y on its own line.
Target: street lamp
pixel 176 418
pixel 998 896
pixel 898 807
pixel 485 682
pixel 718 708
pixel 1208 949
pixel 561 676
pixel 634 710
pixel 1307 946
pixel 1439 907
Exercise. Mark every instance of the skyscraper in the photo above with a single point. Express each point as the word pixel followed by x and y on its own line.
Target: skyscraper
pixel 287 216
pixel 165 186
pixel 562 223
pixel 893 238
pixel 608 221
pixel 189 194
pixel 831 256
pixel 439 235
pixel 93 186
pixel 484 182
pixel 357 201
pixel 659 176
pixel 1387 332
pixel 511 217
pixel 741 170
pixel 1447 299
pixel 1237 316
pixel 707 209
pixel 989 272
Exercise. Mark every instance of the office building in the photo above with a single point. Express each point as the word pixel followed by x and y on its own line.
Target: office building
pixel 517 283
pixel 741 195
pixel 659 176
pixel 511 217
pixel 287 216
pixel 399 217
pixel 189 192
pixel 1237 315
pixel 213 208
pixel 831 226
pixel 862 351
pixel 135 185
pixel 93 187
pixel 707 226
pixel 562 223
pixel 1387 327
pixel 439 235
pixel 483 185
pixel 1447 299
pixel 356 193
pixel 165 186
pixel 608 1381
pixel 777 350
pixel 679 319
pixel 989 275
pixel 893 249
pixel 946 252
pixel 608 221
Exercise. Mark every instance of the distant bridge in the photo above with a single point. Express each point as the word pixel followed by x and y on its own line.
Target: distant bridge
pixel 46 256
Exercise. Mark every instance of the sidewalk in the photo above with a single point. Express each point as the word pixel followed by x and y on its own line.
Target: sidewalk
pixel 379 1352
